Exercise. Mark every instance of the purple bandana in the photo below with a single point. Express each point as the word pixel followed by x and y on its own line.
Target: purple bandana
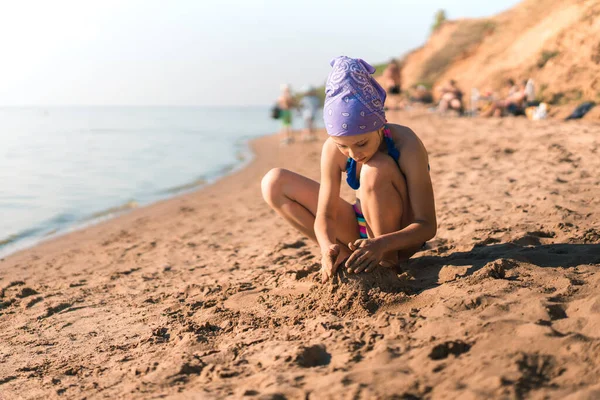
pixel 353 99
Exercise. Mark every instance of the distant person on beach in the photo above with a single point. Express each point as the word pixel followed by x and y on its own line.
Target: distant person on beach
pixel 387 164
pixel 451 98
pixel 530 93
pixel 391 79
pixel 309 105
pixel 513 104
pixel 285 102
pixel 421 95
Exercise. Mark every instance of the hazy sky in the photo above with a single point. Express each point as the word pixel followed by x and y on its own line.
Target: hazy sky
pixel 203 52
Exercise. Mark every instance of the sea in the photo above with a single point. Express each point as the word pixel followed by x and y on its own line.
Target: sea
pixel 63 168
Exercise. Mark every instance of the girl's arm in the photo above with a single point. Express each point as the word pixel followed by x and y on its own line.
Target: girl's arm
pixel 329 192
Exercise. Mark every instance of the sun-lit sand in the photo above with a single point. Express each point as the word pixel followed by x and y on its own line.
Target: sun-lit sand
pixel 212 295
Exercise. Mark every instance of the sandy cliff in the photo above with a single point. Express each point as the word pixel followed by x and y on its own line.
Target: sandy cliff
pixel 555 42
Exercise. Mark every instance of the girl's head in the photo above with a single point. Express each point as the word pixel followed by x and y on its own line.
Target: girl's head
pixel 360 147
pixel 353 99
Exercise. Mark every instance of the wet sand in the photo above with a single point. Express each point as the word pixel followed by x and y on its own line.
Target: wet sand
pixel 211 295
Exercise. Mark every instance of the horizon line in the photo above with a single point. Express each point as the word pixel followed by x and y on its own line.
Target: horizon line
pixel 132 105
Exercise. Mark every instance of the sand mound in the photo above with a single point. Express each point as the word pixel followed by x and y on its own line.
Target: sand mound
pixel 348 295
pixel 352 295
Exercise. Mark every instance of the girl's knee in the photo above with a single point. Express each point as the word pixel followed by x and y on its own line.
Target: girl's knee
pixel 272 183
pixel 379 170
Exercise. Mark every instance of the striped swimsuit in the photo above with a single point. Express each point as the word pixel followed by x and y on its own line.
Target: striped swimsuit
pixel 362 223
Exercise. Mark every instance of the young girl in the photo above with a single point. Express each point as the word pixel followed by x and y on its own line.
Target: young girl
pixel 386 164
pixel 285 102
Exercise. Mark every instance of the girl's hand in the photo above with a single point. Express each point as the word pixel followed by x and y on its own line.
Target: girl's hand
pixel 330 261
pixel 366 255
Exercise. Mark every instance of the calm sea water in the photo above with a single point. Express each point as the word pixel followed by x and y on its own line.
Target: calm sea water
pixel 62 168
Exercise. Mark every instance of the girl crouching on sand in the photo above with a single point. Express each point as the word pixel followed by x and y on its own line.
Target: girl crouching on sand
pixel 386 164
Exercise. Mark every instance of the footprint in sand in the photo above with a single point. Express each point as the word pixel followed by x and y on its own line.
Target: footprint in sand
pixel 50 311
pixel 33 302
pixel 3 292
pixel 536 371
pixel 527 240
pixel 193 367
pixel 81 282
pixel 26 292
pixel 6 303
pixel 486 241
pixel 295 245
pixel 160 335
pixel 556 311
pixel 119 274
pixel 543 234
pixel 443 350
pixel 14 292
pixel 313 356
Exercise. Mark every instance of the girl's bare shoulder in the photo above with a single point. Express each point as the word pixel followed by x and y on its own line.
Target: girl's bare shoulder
pixel 406 139
pixel 332 155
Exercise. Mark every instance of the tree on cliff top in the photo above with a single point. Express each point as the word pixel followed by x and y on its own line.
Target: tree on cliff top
pixel 439 19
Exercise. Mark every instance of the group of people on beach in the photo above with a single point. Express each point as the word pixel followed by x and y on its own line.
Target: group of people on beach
pixel 519 98
pixel 308 106
pixel 451 98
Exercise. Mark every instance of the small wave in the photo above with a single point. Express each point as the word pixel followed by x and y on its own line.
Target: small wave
pixel 9 239
pixel 47 228
pixel 186 186
pixel 15 237
pixel 130 205
pixel 120 131
pixel 226 169
pixel 61 219
pixel 240 156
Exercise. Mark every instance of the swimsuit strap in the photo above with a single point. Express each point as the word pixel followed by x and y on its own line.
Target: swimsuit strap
pixel 351 177
pixel 391 146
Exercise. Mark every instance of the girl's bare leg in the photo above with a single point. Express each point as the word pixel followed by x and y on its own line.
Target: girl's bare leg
pixel 295 197
pixel 384 201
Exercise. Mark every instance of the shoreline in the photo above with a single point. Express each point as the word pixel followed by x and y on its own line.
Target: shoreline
pixel 94 221
pixel 212 295
pixel 21 241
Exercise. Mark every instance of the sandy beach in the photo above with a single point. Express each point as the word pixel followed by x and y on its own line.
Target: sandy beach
pixel 211 295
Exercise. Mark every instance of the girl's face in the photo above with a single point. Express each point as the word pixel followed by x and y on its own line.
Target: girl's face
pixel 359 147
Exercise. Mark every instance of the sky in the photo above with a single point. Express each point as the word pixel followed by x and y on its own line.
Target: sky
pixel 201 52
